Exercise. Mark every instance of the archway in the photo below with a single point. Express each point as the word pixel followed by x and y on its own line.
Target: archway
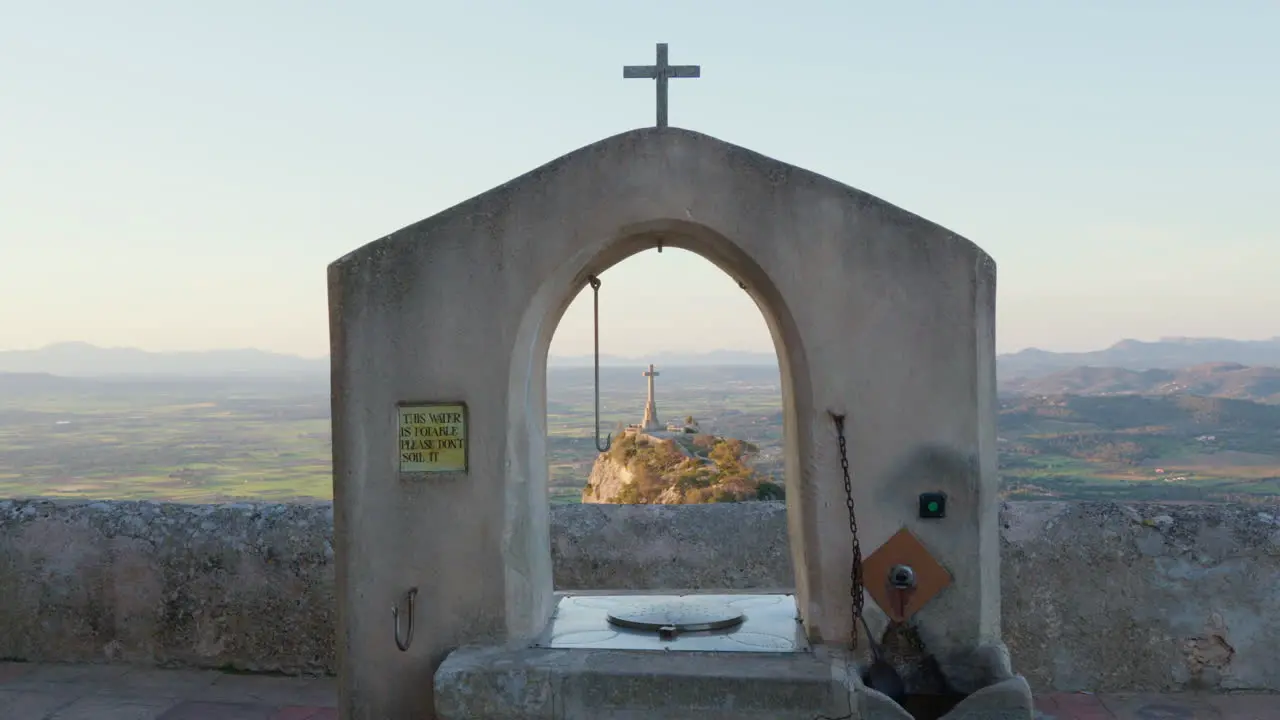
pixel 671 306
pixel 870 307
pixel 527 479
pixel 716 383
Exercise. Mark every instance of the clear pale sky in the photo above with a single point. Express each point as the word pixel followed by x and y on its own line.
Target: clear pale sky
pixel 177 175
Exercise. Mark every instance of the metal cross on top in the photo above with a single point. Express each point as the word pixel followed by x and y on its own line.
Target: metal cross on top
pixel 661 72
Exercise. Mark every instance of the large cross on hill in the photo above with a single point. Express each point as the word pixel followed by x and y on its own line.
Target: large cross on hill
pixel 661 72
pixel 651 374
pixel 650 421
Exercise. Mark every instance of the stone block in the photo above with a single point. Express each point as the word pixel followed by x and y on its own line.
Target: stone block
pixel 492 683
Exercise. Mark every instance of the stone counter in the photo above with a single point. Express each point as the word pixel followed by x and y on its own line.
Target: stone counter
pixel 1097 596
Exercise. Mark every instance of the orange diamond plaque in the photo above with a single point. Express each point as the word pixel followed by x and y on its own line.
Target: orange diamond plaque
pixel 903 549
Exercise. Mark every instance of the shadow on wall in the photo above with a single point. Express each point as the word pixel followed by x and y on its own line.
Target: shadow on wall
pixel 929 468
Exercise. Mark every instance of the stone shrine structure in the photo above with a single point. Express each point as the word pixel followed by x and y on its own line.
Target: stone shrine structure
pixel 650 423
pixel 876 314
pixel 878 317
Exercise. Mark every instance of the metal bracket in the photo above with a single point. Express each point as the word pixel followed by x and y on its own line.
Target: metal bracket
pixel 395 615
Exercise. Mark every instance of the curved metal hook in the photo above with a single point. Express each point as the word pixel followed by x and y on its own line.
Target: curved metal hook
pixel 395 615
pixel 595 303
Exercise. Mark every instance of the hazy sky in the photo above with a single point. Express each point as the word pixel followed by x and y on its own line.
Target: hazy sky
pixel 177 175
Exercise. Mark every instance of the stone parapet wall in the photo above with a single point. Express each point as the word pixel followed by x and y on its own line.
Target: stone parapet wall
pixel 1096 596
pixel 244 586
pixel 1161 597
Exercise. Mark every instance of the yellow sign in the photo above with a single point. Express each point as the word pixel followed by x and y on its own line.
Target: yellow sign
pixel 433 438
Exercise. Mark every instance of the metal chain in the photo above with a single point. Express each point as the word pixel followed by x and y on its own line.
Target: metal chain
pixel 595 305
pixel 855 570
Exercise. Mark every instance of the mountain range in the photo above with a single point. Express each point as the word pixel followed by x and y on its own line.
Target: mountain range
pixel 1221 380
pixel 1164 354
pixel 76 359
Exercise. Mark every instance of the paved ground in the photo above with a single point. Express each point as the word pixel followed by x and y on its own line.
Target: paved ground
pixel 113 692
pixel 1140 706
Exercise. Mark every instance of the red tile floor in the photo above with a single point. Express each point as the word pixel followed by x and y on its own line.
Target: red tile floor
pixel 31 691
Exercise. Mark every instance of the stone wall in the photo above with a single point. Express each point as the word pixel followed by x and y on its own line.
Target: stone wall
pixel 242 586
pixel 1096 596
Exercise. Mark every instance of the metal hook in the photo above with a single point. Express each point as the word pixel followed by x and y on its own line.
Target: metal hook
pixel 595 300
pixel 395 615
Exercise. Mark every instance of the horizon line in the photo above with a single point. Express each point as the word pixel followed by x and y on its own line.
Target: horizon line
pixel 615 356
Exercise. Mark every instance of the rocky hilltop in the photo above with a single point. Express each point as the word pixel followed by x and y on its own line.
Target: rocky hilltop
pixel 677 469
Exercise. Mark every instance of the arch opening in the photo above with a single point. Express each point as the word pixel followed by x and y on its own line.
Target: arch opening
pixel 529 476
pixel 716 384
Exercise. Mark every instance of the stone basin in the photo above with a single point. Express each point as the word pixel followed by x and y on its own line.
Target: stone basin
pixel 494 683
pixel 581 666
pixel 999 694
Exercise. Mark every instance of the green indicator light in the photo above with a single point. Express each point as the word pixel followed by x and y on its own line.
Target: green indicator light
pixel 933 507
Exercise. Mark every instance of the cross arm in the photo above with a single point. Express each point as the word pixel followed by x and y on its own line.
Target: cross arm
pixel 639 71
pixel 684 71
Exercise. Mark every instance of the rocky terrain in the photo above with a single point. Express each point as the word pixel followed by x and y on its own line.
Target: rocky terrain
pixel 677 469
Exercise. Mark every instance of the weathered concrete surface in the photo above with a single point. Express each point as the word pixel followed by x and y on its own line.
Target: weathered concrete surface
pixel 735 546
pixel 98 692
pixel 525 684
pixel 247 587
pixel 1096 596
pixel 1143 597
pixel 462 307
pixel 35 691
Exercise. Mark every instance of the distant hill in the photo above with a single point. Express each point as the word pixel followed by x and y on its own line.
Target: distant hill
pixel 77 359
pixel 1132 447
pixel 1225 380
pixel 26 384
pixel 1176 414
pixel 1131 429
pixel 1164 354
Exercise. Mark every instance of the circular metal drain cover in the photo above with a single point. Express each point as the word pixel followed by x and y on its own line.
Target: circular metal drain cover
pixel 668 617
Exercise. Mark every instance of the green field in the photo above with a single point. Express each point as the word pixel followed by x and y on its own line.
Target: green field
pixel 1132 448
pixel 211 440
pixel 186 441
